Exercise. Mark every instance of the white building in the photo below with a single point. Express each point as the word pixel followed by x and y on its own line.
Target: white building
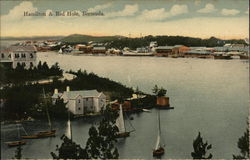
pixel 24 55
pixel 82 102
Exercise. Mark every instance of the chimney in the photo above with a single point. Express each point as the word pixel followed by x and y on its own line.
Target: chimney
pixel 56 91
pixel 67 89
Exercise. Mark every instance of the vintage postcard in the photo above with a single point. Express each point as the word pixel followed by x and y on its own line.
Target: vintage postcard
pixel 124 79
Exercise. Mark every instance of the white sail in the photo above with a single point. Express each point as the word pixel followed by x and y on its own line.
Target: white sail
pixel 158 141
pixel 120 121
pixel 157 145
pixel 68 130
pixel 60 51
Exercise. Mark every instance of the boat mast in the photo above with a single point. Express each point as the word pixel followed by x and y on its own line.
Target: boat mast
pixel 159 120
pixel 18 131
pixel 70 128
pixel 47 112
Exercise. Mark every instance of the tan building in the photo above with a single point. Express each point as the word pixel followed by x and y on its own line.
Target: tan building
pixel 23 55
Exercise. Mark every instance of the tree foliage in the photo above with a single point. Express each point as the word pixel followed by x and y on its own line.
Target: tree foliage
pixel 18 152
pixel 134 43
pixel 243 145
pixel 201 148
pixel 100 144
pixel 159 91
pixel 20 74
pixel 69 150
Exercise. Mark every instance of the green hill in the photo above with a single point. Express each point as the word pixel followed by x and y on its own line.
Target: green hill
pixel 78 38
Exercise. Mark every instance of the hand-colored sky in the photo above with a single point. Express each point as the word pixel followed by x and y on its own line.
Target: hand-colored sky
pixel 196 18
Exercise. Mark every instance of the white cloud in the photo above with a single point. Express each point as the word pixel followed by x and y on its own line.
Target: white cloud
pixel 197 2
pixel 178 9
pixel 129 10
pixel 99 7
pixel 207 9
pixel 155 14
pixel 161 13
pixel 18 11
pixel 229 12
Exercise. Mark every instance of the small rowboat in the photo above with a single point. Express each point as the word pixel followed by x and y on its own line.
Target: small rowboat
pixel 15 143
pixel 42 134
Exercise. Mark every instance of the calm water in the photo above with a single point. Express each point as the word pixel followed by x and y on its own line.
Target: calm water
pixel 210 96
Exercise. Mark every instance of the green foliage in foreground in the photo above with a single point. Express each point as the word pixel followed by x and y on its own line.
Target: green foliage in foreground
pixel 243 145
pixel 18 153
pixel 100 144
pixel 201 148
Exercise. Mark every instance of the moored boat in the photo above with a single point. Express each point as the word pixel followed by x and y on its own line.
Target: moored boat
pixel 221 55
pixel 43 134
pixel 16 143
pixel 121 125
pixel 158 150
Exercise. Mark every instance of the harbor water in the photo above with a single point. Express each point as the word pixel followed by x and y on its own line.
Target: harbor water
pixel 210 96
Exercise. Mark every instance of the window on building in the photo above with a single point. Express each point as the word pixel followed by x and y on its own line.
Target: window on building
pixel 16 55
pixel 79 101
pixel 23 64
pixel 23 55
pixel 9 56
pixel 31 64
pixel 79 108
pixel 2 55
pixel 86 99
pixel 31 55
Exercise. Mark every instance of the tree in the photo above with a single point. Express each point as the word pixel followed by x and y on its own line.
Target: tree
pixel 159 91
pixel 243 145
pixel 155 89
pixel 18 152
pixel 201 148
pixel 100 144
pixel 101 139
pixel 69 150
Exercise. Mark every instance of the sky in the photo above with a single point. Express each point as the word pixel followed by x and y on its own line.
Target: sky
pixel 195 18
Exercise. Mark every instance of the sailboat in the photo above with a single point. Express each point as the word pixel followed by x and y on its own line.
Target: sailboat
pixel 158 150
pixel 69 129
pixel 43 134
pixel 16 143
pixel 121 125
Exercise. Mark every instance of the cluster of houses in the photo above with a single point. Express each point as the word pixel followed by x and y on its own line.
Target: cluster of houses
pixel 228 51
pixel 90 48
pixel 25 53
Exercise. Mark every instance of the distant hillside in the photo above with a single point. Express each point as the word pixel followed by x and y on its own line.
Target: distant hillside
pixel 33 38
pixel 78 38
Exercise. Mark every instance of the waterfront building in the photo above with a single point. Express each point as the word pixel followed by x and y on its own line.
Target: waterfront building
pixel 179 50
pixel 99 50
pixel 23 55
pixel 164 51
pixel 198 54
pixel 83 101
